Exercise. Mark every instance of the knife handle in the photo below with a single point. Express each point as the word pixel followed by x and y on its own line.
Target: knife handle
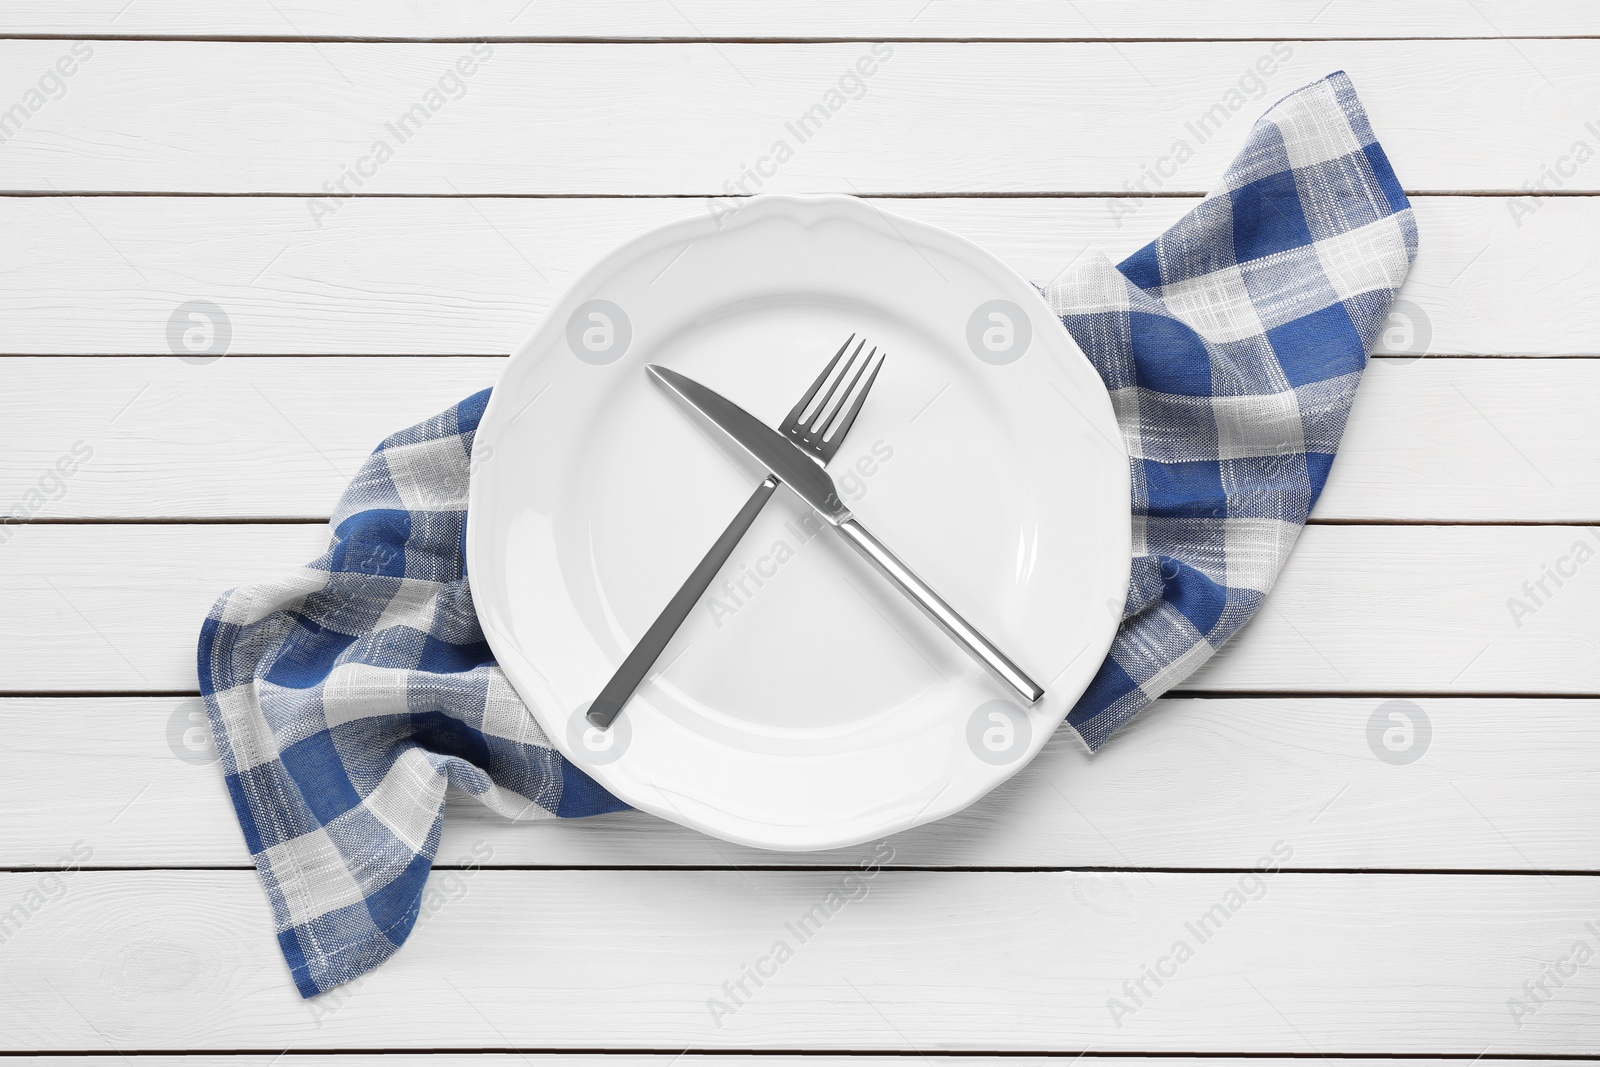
pixel 934 606
pixel 631 674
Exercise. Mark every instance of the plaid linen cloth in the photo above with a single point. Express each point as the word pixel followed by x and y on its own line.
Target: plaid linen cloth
pixel 1232 346
pixel 345 698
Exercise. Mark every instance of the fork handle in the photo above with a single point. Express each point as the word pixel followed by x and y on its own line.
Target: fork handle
pixel 934 606
pixel 628 677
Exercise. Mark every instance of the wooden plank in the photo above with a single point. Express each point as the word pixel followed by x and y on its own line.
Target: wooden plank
pixel 1289 963
pixel 246 437
pixel 1430 440
pixel 1358 609
pixel 1193 784
pixel 446 276
pixel 175 116
pixel 1486 436
pixel 648 19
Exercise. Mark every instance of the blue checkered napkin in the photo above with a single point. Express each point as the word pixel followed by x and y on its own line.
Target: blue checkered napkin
pixel 1232 346
pixel 346 697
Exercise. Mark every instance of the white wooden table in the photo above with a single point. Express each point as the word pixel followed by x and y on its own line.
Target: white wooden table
pixel 181 159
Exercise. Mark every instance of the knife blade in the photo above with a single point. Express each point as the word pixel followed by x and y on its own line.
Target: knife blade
pixel 787 462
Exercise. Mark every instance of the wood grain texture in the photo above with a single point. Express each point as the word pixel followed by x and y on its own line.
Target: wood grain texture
pixel 1301 963
pixel 1497 784
pixel 1360 609
pixel 971 951
pixel 244 437
pixel 447 276
pixel 651 19
pixel 1452 440
pixel 241 117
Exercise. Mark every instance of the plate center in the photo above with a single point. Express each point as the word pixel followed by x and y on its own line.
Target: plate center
pixel 798 633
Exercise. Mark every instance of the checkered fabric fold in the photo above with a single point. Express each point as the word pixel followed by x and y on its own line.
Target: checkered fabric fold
pixel 346 697
pixel 1232 346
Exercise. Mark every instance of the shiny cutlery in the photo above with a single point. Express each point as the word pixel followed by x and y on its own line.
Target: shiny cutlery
pixel 817 432
pixel 793 465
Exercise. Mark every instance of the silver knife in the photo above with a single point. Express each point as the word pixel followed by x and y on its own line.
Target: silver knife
pixel 794 468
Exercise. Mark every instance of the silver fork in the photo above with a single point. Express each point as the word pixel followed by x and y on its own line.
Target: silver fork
pixel 820 431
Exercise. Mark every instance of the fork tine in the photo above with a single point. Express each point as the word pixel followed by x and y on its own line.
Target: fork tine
pixel 810 424
pixel 830 446
pixel 796 411
pixel 822 430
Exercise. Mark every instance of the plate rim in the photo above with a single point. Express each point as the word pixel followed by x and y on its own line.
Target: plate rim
pixel 819 204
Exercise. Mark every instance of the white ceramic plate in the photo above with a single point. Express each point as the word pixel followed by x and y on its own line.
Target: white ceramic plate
pixel 804 704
